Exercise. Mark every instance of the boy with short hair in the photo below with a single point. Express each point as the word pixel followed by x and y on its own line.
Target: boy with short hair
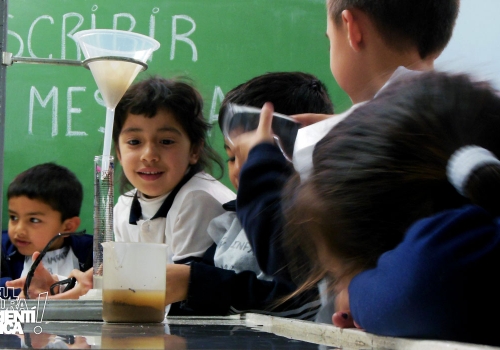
pixel 373 43
pixel 228 280
pixel 370 39
pixel 43 201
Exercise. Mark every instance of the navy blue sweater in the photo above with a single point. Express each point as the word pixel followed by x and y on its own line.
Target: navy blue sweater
pixel 13 261
pixel 441 282
pixel 216 291
pixel 258 206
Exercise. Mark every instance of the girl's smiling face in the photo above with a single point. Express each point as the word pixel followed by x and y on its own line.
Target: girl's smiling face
pixel 155 153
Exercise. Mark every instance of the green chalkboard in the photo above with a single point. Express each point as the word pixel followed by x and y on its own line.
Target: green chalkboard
pixel 54 113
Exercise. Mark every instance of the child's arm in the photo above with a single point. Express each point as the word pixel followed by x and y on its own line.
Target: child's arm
pixel 306 119
pixel 259 206
pixel 209 290
pixel 6 293
pixel 40 283
pixel 205 289
pixel 437 283
pixel 83 285
pixel 11 267
pixel 216 291
pixel 5 277
pixel 177 283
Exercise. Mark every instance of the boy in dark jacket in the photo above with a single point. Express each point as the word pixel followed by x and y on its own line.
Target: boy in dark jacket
pixel 229 279
pixel 43 201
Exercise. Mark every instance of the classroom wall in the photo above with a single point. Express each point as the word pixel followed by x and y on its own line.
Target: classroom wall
pixel 474 47
pixel 55 113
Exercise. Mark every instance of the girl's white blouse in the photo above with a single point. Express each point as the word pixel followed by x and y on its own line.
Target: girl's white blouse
pixel 184 229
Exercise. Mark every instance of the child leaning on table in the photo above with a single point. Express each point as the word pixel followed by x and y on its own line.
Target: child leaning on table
pixel 402 209
pixel 372 44
pixel 43 201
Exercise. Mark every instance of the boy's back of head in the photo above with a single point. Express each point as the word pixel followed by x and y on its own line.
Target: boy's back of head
pixel 425 24
pixel 52 184
pixel 290 92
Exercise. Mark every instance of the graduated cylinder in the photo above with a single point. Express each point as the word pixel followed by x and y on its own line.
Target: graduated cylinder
pixel 103 211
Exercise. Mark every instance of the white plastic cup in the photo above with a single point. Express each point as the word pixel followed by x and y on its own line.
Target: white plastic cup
pixel 239 119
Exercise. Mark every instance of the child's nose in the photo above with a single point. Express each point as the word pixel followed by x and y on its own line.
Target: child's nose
pixel 150 153
pixel 19 228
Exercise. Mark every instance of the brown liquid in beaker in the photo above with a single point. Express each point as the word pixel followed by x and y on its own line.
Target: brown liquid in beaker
pixel 128 305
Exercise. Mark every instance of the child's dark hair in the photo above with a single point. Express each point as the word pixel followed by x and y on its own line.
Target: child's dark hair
pixel 177 97
pixel 385 167
pixel 52 184
pixel 427 24
pixel 290 92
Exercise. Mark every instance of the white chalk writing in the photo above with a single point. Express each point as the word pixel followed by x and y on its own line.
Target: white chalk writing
pixel 72 22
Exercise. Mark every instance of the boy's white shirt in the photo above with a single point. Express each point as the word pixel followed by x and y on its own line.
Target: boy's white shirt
pixel 233 251
pixel 58 262
pixel 309 136
pixel 184 229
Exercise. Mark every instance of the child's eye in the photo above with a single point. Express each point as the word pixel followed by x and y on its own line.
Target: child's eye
pixel 35 220
pixel 133 142
pixel 231 159
pixel 12 218
pixel 166 142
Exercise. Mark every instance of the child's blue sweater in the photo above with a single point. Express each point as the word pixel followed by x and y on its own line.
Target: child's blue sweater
pixel 258 207
pixel 217 291
pixel 441 282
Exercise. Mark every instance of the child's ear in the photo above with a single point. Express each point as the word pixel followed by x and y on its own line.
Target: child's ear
pixel 71 224
pixel 195 152
pixel 354 29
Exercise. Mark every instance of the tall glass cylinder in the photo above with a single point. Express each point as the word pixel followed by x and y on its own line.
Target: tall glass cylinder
pixel 103 211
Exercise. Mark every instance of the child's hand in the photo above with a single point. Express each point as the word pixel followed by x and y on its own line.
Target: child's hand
pixel 306 119
pixel 245 142
pixel 84 283
pixel 343 319
pixel 177 283
pixel 40 283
